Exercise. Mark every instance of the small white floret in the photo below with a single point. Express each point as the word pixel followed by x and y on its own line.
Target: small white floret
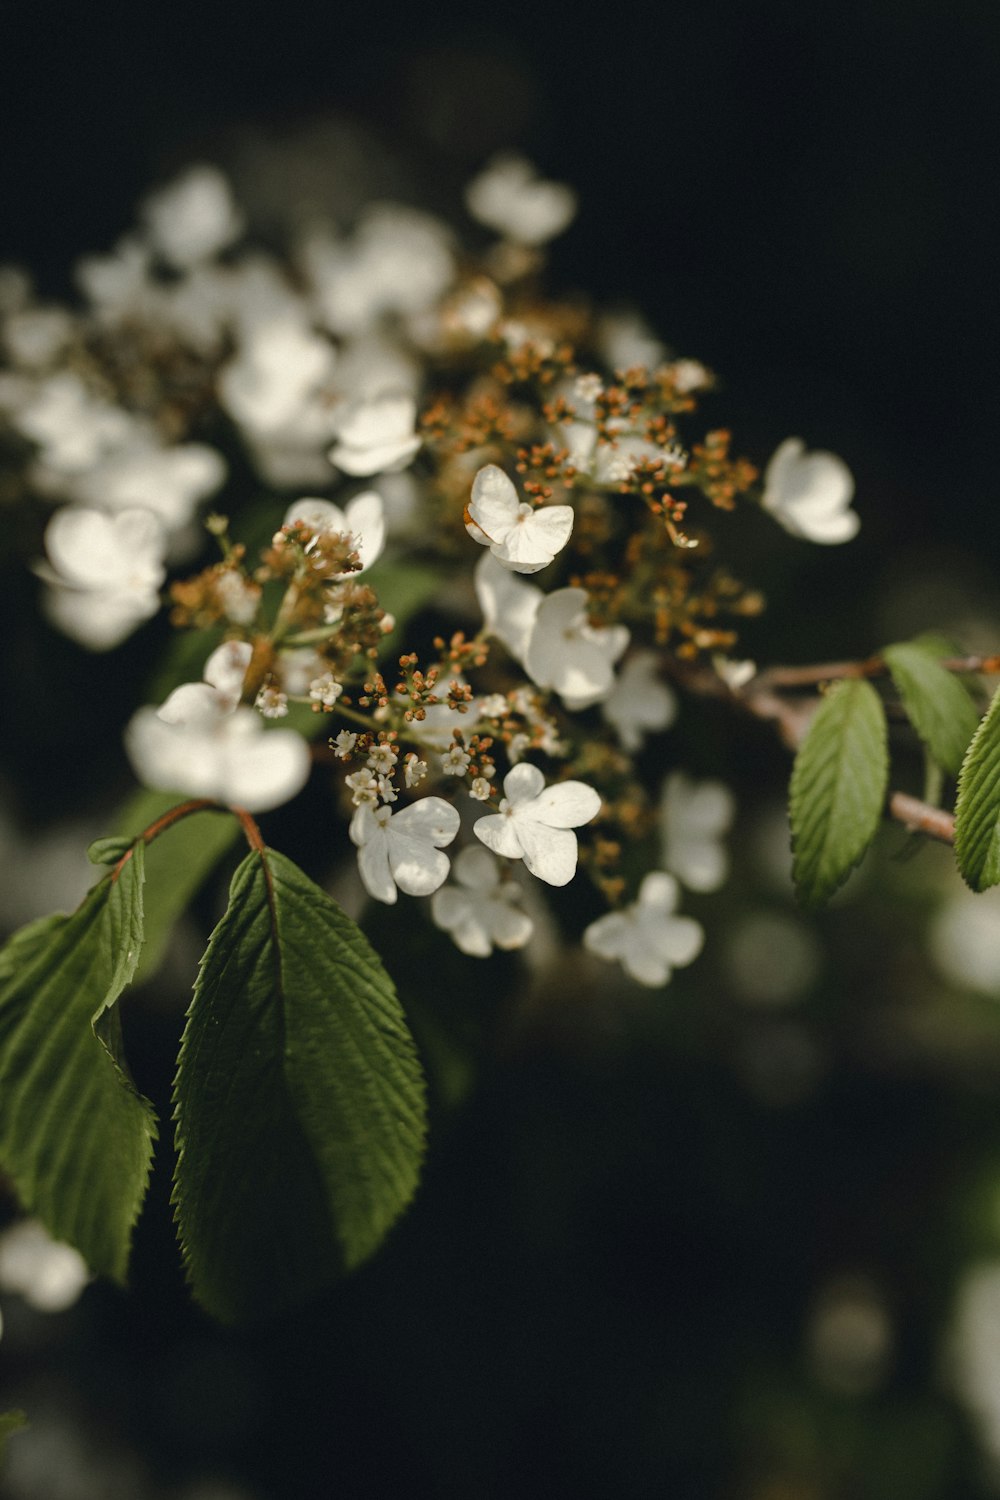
pixel 646 938
pixel 809 494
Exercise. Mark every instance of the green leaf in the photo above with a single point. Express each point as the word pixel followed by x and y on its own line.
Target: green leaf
pixel 76 1137
pixel 10 1422
pixel 838 788
pixel 977 810
pixel 938 704
pixel 108 851
pixel 177 864
pixel 299 1099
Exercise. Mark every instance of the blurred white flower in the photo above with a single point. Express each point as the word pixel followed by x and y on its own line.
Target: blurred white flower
pixel 73 428
pixel 377 434
pixel 809 494
pixel 398 262
pixel 105 573
pixel 277 370
pixel 510 197
pixel 626 341
pixel 202 743
pixel 37 335
pixel 693 818
pixel 567 653
pixel 170 482
pixel 646 938
pixel 480 911
pixel 640 702
pixel 975 1351
pixel 49 1275
pixel 363 518
pixel 771 958
pixel 403 849
pixel 509 605
pixel 193 217
pixel 535 822
pixel 963 939
pixel 519 536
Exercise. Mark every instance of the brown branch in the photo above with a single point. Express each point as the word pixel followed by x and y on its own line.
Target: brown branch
pixel 873 666
pixel 921 817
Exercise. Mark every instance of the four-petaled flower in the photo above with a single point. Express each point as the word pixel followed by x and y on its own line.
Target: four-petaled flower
pixel 809 494
pixel 639 701
pixel 509 196
pixel 535 822
pixel 647 939
pixel 404 849
pixel 105 573
pixel 522 538
pixel 567 653
pixel 480 911
pixel 377 435
pixel 201 742
pixel 363 518
pixel 693 818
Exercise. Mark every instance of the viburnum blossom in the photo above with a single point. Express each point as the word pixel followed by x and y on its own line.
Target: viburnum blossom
pixel 48 1274
pixel 376 435
pixel 404 848
pixel 363 517
pixel 693 818
pixel 105 573
pixel 535 822
pixel 480 911
pixel 203 743
pixel 809 494
pixel 193 217
pixel 567 653
pixel 646 938
pixel 510 197
pixel 519 536
pixel 639 702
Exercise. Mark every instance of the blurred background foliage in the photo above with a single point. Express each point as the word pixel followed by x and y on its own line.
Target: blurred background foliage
pixel 739 1238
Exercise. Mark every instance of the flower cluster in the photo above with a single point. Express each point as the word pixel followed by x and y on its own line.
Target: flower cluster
pixel 518 479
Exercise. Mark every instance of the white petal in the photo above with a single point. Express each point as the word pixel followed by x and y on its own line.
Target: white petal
pixel 266 769
pixel 476 870
pixel 227 667
pixel 509 927
pixel 431 819
pixel 322 515
pixel 568 804
pixel 366 522
pixel 193 705
pixel 172 757
pixel 387 456
pixel 523 783
pixel 499 833
pixel 494 503
pixel 678 940
pixel 97 620
pixel 417 867
pixel 373 867
pixel 551 526
pixel 609 935
pixel 549 853
pixel 509 606
pixel 659 891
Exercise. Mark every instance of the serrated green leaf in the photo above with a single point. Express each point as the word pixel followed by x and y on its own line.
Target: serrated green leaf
pixel 838 788
pixel 10 1422
pixel 177 865
pixel 937 702
pixel 977 809
pixel 299 1099
pixel 76 1137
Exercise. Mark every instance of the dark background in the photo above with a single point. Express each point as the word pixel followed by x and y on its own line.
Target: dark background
pixel 614 1246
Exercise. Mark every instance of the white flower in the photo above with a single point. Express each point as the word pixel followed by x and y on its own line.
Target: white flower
pixel 508 196
pixel 480 789
pixel 625 341
pixel 74 429
pixel 639 701
pixel 519 536
pixel 203 744
pixel 324 690
pixel 414 770
pixel 271 702
pixel 377 434
pixel 646 938
pixel 455 761
pixel 363 518
pixel 693 818
pixel 404 849
pixel 509 605
pixel 168 481
pixel 364 786
pixel 809 494
pixel 535 822
pixel 48 1274
pixel 479 912
pixel 105 573
pixel 398 262
pixel 734 673
pixel 345 742
pixel 275 376
pixel 567 653
pixel 192 218
pixel 383 757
